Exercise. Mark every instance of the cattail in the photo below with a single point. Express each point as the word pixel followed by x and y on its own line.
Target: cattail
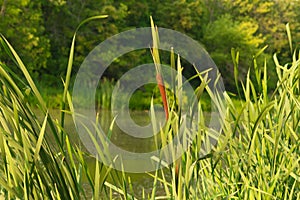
pixel 162 91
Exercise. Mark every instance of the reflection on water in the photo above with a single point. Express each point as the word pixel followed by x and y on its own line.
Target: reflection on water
pixel 139 181
pixel 119 137
pixel 125 140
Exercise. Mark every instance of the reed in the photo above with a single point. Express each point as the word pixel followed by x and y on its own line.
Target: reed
pixel 257 155
pixel 32 165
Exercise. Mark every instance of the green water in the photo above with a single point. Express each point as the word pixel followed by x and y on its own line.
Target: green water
pixel 121 139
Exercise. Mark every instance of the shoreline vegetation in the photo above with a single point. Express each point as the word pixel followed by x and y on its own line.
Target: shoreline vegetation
pixel 257 155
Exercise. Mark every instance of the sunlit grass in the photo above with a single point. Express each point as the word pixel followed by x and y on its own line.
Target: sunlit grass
pixel 257 155
pixel 32 165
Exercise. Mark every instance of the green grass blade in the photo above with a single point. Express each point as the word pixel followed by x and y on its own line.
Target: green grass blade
pixel 69 67
pixel 22 67
pixel 40 139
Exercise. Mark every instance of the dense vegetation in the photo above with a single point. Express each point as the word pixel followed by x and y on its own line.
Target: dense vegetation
pixel 257 156
pixel 41 31
pixel 258 152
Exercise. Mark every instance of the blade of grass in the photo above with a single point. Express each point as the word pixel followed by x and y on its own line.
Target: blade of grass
pixel 69 69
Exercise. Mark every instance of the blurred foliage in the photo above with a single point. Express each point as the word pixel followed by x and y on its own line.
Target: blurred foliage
pixel 41 31
pixel 223 34
pixel 22 22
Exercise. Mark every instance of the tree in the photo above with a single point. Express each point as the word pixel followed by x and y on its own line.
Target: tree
pixel 41 31
pixel 225 33
pixel 271 16
pixel 70 15
pixel 21 22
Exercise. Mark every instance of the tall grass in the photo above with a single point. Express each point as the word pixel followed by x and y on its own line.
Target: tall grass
pixel 257 155
pixel 32 165
pixel 258 152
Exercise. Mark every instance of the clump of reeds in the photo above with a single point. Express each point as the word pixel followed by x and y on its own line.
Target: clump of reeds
pixel 257 155
pixel 258 152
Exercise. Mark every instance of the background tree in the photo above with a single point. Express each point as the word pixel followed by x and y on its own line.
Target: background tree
pixel 222 35
pixel 22 23
pixel 41 31
pixel 271 16
pixel 62 19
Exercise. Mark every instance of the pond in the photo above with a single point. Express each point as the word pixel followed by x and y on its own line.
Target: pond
pixel 122 140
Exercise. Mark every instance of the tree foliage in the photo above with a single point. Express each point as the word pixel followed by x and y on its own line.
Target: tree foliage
pixel 223 34
pixel 22 22
pixel 41 31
